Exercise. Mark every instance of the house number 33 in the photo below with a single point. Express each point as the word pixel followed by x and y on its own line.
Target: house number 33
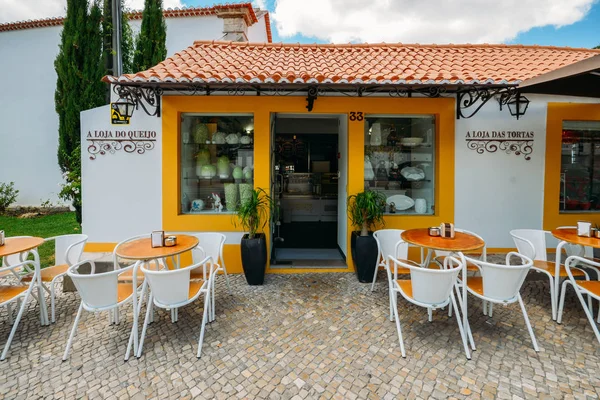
pixel 356 116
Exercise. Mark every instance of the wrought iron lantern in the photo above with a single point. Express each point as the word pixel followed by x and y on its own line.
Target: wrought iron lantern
pixel 517 104
pixel 124 108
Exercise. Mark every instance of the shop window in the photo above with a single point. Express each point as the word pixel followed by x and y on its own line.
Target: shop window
pixel 580 167
pixel 217 162
pixel 400 162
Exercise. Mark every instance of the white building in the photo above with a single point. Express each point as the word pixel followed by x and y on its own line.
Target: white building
pixel 29 133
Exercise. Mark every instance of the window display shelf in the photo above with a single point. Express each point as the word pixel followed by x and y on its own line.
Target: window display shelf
pixel 215 173
pixel 403 172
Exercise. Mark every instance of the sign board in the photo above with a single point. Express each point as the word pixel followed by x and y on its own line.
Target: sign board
pixel 111 141
pixel 508 141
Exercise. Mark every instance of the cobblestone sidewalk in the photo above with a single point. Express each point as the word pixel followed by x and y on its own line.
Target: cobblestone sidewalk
pixel 307 336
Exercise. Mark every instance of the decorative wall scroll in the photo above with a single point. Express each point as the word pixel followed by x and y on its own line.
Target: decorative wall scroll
pixel 109 141
pixel 517 142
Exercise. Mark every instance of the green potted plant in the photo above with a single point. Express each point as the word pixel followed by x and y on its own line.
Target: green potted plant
pixel 253 214
pixel 365 210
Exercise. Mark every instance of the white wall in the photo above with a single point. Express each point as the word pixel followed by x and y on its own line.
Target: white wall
pixel 498 192
pixel 183 31
pixel 257 33
pixel 29 129
pixel 121 192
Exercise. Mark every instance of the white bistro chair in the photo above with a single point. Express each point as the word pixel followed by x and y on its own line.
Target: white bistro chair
pixel 67 252
pixel 171 289
pixel 532 244
pixel 19 294
pixel 501 283
pixel 17 271
pixel 428 288
pixel 103 292
pixel 589 288
pixel 210 245
pixel 389 243
pixel 126 274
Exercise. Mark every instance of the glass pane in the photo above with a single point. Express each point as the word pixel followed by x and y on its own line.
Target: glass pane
pixel 580 167
pixel 217 162
pixel 400 162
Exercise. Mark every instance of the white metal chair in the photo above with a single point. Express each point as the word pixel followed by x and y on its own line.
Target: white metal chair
pixel 429 288
pixel 67 251
pixel 589 288
pixel 389 243
pixel 15 272
pixel 532 244
pixel 211 245
pixel 103 292
pixel 126 275
pixel 18 294
pixel 501 283
pixel 170 289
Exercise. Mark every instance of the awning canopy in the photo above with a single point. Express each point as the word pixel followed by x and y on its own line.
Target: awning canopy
pixel 579 79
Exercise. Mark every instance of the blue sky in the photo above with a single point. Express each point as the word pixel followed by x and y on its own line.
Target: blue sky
pixel 584 33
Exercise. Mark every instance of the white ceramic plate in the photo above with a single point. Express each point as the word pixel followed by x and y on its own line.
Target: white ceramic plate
pixel 402 202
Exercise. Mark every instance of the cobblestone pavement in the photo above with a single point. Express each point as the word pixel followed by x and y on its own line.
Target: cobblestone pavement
pixel 307 336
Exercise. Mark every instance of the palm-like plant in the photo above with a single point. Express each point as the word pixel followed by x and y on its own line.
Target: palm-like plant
pixel 254 212
pixel 366 209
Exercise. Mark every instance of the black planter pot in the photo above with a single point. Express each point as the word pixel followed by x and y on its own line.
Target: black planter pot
pixel 254 258
pixel 364 254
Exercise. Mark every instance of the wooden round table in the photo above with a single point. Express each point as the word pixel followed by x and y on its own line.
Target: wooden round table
pixel 570 235
pixel 141 249
pixel 16 245
pixel 461 242
pixel 19 245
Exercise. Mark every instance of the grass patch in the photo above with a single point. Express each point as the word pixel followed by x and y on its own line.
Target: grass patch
pixel 43 226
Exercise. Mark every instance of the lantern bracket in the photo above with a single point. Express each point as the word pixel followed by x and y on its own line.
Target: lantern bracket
pixel 148 98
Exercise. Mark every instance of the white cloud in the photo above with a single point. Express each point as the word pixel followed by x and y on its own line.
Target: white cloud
pixel 22 10
pixel 422 21
pixel 262 4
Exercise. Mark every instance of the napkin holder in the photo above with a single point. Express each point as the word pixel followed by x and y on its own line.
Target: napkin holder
pixel 584 228
pixel 157 238
pixel 447 230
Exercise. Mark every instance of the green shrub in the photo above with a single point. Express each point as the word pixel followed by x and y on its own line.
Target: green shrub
pixel 8 195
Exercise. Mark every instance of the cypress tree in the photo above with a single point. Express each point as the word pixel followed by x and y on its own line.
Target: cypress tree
pixel 151 47
pixel 79 70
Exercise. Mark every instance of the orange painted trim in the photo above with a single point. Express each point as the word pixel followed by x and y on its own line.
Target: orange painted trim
pixel 557 114
pixel 99 247
pixel 262 107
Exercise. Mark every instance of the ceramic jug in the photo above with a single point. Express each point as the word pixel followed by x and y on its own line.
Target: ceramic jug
pixel 420 206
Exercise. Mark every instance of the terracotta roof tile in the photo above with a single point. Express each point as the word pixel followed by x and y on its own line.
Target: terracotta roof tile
pixel 224 62
pixel 168 13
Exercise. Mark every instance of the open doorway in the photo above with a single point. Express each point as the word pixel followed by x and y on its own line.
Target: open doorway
pixel 310 176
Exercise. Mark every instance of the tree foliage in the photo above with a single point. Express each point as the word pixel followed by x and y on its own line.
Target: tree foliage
pixel 151 47
pixel 79 72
